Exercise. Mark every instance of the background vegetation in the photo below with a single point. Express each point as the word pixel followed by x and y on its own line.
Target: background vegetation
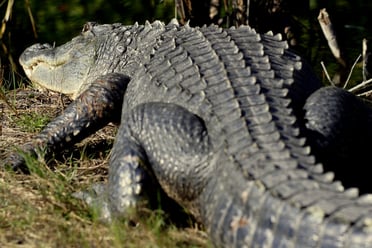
pixel 57 21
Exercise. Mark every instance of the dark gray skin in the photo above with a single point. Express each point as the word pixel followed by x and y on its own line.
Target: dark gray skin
pixel 229 123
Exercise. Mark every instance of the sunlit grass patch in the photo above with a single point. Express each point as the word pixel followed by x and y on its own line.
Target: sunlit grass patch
pixel 32 122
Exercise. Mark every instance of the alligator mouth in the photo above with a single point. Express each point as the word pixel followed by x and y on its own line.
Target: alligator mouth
pixel 40 55
pixel 40 63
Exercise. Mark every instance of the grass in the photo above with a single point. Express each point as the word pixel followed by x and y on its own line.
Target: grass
pixel 38 210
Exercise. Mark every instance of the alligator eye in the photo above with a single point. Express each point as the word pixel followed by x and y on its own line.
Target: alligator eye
pixel 88 26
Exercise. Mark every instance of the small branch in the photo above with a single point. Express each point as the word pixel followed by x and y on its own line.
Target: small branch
pixel 330 35
pixel 367 63
pixel 366 93
pixel 247 11
pixel 351 71
pixel 364 52
pixel 179 10
pixel 214 9
pixel 6 18
pixel 32 20
pixel 361 85
pixel 326 73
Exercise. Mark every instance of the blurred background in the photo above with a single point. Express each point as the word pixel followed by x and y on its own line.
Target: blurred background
pixel 26 22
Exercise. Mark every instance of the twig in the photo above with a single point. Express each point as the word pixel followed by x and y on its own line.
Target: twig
pixel 8 14
pixel 330 35
pixel 247 11
pixel 366 93
pixel 361 85
pixel 6 18
pixel 364 52
pixel 351 71
pixel 326 73
pixel 32 20
pixel 214 9
pixel 179 9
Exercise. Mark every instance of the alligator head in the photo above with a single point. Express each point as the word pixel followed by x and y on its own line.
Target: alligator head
pixel 64 68
pixel 98 50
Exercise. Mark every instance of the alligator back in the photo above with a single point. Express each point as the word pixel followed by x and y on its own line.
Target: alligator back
pixel 249 89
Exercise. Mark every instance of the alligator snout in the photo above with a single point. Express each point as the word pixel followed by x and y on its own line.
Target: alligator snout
pixel 35 53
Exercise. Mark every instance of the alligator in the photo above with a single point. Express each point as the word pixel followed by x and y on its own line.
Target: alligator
pixel 230 123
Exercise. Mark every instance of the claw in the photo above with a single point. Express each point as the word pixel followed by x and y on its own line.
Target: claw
pixel 96 198
pixel 16 162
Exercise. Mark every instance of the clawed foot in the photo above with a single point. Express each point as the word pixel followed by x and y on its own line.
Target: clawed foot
pixel 96 198
pixel 17 160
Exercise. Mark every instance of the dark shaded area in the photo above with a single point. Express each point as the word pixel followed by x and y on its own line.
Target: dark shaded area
pixel 338 130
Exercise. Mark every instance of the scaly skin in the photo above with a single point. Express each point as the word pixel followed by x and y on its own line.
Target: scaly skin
pixel 229 123
pixel 90 111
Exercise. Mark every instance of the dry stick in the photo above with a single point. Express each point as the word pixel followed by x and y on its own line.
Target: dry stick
pixel 361 85
pixel 179 9
pixel 330 35
pixel 367 93
pixel 364 51
pixel 247 11
pixel 31 17
pixel 214 9
pixel 351 71
pixel 326 73
pixel 366 80
pixel 6 18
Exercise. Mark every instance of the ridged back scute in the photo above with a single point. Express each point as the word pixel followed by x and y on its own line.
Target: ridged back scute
pixel 238 81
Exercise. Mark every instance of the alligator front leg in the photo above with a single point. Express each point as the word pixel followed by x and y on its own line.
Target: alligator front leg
pixel 97 106
pixel 157 143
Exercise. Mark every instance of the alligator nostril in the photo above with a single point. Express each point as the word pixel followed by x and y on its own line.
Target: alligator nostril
pixel 39 46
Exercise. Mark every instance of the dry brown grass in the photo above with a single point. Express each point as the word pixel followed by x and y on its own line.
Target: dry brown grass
pixel 37 210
